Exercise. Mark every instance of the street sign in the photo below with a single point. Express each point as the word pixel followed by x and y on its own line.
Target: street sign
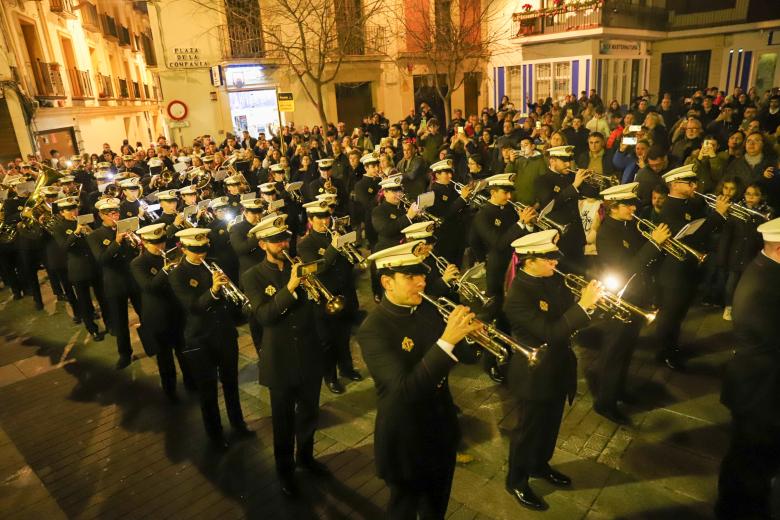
pixel 178 124
pixel 286 101
pixel 216 76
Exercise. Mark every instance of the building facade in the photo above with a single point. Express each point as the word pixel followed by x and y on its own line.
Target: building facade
pixel 621 47
pixel 76 76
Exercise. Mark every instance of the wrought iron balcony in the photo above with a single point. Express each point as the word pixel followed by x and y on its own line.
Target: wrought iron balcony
pixel 109 27
pixel 372 41
pixel 124 93
pixel 90 19
pixel 105 86
pixel 124 36
pixel 62 7
pixel 48 80
pixel 80 83
pixel 242 40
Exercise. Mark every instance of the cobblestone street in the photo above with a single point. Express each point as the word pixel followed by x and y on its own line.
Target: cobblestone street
pixel 79 439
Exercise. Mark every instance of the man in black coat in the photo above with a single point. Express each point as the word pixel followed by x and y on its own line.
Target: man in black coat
pixel 624 256
pixel 751 387
pixel 335 272
pixel 451 207
pixel 541 310
pixel 677 279
pixel 327 184
pixel 113 254
pixel 410 351
pixel 161 316
pixel 210 336
pixel 291 361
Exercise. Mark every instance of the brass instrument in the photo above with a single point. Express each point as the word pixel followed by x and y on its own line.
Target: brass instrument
pixel 316 290
pixel 737 211
pixel 475 197
pixel 111 191
pixel 133 239
pixel 349 251
pixel 8 233
pixel 612 304
pixel 230 290
pixel 598 180
pixel 672 246
pixel 489 337
pixel 35 206
pixel 151 215
pixel 468 290
pixel 172 257
pixel 421 213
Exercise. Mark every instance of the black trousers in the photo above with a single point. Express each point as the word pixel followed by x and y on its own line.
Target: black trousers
pixel 216 358
pixel 86 309
pixel 294 414
pixel 29 262
pixel 168 342
pixel 674 305
pixel 120 323
pixel 9 268
pixel 752 460
pixel 620 341
pixel 256 330
pixel 533 441
pixel 427 499
pixel 334 333
pixel 60 278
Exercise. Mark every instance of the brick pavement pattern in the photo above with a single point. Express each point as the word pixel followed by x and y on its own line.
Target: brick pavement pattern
pixel 79 439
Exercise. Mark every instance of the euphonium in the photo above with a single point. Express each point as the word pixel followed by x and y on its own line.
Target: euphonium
pixel 316 290
pixel 230 291
pixel 489 337
pixel 610 303
pixel 672 246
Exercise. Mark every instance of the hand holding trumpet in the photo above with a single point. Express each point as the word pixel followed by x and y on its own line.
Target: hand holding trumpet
pixel 460 323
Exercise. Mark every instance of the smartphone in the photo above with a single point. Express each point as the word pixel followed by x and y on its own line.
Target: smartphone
pixel 460 129
pixel 629 141
pixel 538 125
pixel 569 112
pixel 635 128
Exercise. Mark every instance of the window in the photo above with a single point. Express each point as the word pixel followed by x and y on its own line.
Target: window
pixel 514 84
pixel 562 80
pixel 542 78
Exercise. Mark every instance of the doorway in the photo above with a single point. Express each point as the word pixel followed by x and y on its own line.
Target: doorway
pixel 353 103
pixel 254 110
pixel 9 147
pixel 61 139
pixel 683 73
pixel 471 83
pixel 425 92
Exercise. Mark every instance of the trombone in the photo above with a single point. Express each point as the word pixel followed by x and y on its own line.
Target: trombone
pixel 230 291
pixel 672 246
pixel 737 211
pixel 611 303
pixel 489 337
pixel 468 290
pixel 316 290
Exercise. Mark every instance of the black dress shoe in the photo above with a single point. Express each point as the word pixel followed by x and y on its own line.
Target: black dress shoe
pixel 218 444
pixel 288 485
pixel 173 397
pixel 18 296
pixel 98 335
pixel 352 375
pixel 556 478
pixel 335 387
pixel 76 320
pixel 38 306
pixel 315 467
pixel 377 299
pixel 243 432
pixel 496 375
pixel 613 414
pixel 61 298
pixel 123 362
pixel 526 497
pixel 673 362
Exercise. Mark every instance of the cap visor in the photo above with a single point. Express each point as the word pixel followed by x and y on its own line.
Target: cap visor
pixel 420 268
pixel 279 237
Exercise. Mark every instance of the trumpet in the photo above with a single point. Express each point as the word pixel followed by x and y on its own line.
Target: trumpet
pixel 406 203
pixel 230 291
pixel 316 290
pixel 133 239
pixel 474 197
pixel 672 246
pixel 170 260
pixel 542 222
pixel 489 337
pixel 468 290
pixel 598 180
pixel 151 215
pixel 737 211
pixel 350 252
pixel 611 303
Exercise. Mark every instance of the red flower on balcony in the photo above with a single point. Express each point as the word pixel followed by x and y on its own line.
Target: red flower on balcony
pixel 527 7
pixel 557 3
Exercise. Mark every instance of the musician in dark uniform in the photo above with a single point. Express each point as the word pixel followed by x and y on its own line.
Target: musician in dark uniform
pixel 409 351
pixel 210 336
pixel 31 245
pixel 161 316
pixel 367 197
pixel 335 272
pixel 169 215
pixel 495 226
pixel 233 191
pixel 563 187
pixel 327 184
pixel 219 238
pixel 9 262
pixel 57 263
pixel 678 280
pixel 113 254
pixel 751 388
pixel 450 206
pixel 273 199
pixel 625 257
pixel 437 282
pixel 541 310
pixel 291 362
pixel 80 176
pixel 82 270
pixel 130 205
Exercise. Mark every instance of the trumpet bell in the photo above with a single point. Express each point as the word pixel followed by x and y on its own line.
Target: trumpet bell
pixel 335 305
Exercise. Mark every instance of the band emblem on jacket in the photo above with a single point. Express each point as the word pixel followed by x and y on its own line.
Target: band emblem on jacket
pixel 193 282
pixel 497 222
pixel 270 290
pixel 407 344
pixel 544 305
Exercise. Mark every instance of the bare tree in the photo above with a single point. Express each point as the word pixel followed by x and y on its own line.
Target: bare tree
pixel 454 39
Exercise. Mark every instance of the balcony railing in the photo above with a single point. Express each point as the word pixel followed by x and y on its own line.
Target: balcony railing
pixel 124 36
pixel 136 90
pixel 372 41
pixel 89 17
pixel 242 40
pixel 109 26
pixel 80 84
pixel 146 91
pixel 48 80
pixel 123 92
pixel 576 17
pixel 141 7
pixel 62 7
pixel 105 86
pixel 148 49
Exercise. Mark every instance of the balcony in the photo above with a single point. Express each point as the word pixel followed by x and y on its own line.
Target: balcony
pixel 124 36
pixel 124 93
pixel 373 41
pixel 48 80
pixel 109 27
pixel 141 7
pixel 80 84
pixel 62 8
pixel 90 19
pixel 146 91
pixel 136 90
pixel 148 50
pixel 592 15
pixel 105 86
pixel 241 40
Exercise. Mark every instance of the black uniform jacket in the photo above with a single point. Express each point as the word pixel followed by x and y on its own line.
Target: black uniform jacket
pixel 113 259
pixel 676 213
pixel 207 319
pixel 335 271
pixel 366 190
pixel 542 310
pixel 170 229
pixel 416 432
pixel 494 230
pixel 220 249
pixel 81 264
pixel 159 308
pixel 752 378
pixel 291 351
pixel 388 221
pixel 626 254
pixel 247 248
